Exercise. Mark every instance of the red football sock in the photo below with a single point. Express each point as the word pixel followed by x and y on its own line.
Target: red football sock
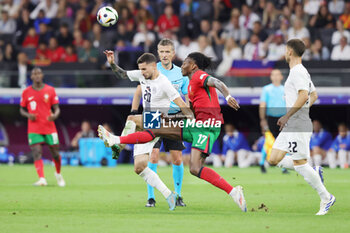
pixel 58 165
pixel 138 137
pixel 215 179
pixel 39 166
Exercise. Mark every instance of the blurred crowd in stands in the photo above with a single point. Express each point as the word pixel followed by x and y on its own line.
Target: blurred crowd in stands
pixel 42 32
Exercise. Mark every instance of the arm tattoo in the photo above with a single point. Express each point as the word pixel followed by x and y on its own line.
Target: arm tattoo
pixel 118 71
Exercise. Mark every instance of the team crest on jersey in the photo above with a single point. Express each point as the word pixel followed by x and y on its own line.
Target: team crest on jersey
pixel 46 98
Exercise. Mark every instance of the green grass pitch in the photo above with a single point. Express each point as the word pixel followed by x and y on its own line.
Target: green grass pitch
pixel 112 200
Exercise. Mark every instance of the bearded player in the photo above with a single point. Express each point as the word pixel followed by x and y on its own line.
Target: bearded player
pixel 204 101
pixel 36 104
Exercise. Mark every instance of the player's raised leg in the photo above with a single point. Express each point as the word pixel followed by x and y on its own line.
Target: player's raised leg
pixel 39 165
pixel 197 169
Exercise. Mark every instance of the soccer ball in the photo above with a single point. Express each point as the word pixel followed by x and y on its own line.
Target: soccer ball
pixel 107 16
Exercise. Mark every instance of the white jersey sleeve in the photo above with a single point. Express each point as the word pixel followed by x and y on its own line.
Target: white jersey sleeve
pixel 301 80
pixel 134 75
pixel 169 89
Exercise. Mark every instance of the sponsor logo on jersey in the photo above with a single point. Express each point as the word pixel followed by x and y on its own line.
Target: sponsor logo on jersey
pixel 30 98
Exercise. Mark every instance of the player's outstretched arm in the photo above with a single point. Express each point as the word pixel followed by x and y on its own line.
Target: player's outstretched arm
pixel 184 108
pixel 136 100
pixel 118 71
pixel 214 82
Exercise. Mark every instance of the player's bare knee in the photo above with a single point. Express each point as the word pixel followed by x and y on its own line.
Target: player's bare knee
pixel 194 170
pixel 273 161
pixel 176 157
pixel 131 118
pixel 139 169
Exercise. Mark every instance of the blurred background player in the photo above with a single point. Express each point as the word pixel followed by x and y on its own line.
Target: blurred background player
pixel 340 148
pixel 272 107
pixel 166 53
pixel 320 142
pixel 36 103
pixel 235 148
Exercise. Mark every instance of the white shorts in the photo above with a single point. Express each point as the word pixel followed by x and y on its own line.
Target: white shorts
pixel 297 144
pixel 145 148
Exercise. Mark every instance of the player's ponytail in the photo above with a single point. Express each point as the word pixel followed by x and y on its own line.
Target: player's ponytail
pixel 200 60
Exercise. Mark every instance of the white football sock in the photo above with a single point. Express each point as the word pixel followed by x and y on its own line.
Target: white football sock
pixel 153 179
pixel 313 179
pixel 286 162
pixel 332 160
pixel 229 158
pixel 317 159
pixel 342 158
pixel 217 161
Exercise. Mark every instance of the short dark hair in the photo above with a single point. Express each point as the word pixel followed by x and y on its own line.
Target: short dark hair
pixel 147 57
pixel 165 42
pixel 200 60
pixel 297 45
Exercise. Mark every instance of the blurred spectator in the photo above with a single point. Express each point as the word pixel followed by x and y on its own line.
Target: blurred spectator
pixel 126 17
pixel 85 132
pixel 41 19
pixel 55 52
pixel 9 53
pixel 275 47
pixel 298 31
pixel 345 18
pixel 311 6
pixel 340 33
pixel 287 13
pixel 11 7
pixel 87 53
pixel 144 4
pixel 307 53
pixel 168 21
pixel 70 55
pixel 123 34
pixel 23 71
pixel 78 41
pixel 323 19
pixel 44 34
pixel 42 53
pixel 49 7
pixel 31 40
pixel 215 34
pixel 64 37
pixel 254 50
pixel 270 19
pixel 186 47
pixel 336 7
pixel 231 52
pixel 7 25
pixel 144 17
pixel 259 31
pixel 188 7
pixel 284 28
pixel 318 51
pixel 84 20
pixel 248 18
pixel 235 31
pixel 341 51
pixel 23 24
pixel 205 47
pixel 27 5
pixel 95 36
pixel 205 27
pixel 299 13
pixel 143 37
pixel 162 4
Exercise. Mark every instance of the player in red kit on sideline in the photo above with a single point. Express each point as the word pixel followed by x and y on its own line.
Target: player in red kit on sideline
pixel 36 104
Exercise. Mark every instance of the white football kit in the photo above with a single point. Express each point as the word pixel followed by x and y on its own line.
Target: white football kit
pixel 295 136
pixel 157 95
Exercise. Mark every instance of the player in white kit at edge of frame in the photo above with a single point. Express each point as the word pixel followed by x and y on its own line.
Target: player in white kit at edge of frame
pixel 296 126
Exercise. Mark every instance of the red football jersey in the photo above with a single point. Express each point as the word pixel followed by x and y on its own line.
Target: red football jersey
pixel 204 99
pixel 40 103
